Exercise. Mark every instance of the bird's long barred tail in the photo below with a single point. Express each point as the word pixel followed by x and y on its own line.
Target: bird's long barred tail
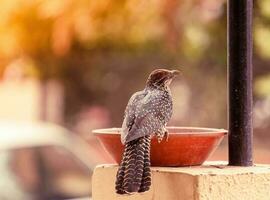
pixel 134 173
pixel 146 179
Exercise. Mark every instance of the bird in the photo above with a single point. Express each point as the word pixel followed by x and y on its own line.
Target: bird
pixel 146 115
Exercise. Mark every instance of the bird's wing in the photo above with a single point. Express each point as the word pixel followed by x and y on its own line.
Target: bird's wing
pixel 130 113
pixel 144 120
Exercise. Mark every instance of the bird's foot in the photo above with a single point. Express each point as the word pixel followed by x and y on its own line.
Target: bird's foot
pixel 166 135
pixel 163 135
pixel 159 139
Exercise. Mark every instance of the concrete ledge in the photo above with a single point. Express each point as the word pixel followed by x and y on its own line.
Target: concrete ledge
pixel 212 181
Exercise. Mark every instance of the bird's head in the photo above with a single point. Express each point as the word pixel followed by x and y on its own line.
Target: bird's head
pixel 161 77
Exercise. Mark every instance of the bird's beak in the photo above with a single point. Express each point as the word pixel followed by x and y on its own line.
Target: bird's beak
pixel 175 73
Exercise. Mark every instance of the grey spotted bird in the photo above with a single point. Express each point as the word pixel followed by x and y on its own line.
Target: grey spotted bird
pixel 146 114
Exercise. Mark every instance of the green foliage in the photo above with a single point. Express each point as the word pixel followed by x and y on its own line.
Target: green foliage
pixel 262 86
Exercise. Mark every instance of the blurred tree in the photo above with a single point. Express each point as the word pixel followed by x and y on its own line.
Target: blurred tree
pixel 95 48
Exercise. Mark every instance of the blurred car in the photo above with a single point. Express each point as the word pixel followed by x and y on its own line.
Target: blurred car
pixel 43 161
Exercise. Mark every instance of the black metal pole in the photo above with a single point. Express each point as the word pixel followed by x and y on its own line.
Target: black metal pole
pixel 240 81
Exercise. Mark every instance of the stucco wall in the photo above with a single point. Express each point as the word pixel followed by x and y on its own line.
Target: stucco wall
pixel 208 182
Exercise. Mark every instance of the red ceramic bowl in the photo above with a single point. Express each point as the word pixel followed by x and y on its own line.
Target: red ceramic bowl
pixel 186 146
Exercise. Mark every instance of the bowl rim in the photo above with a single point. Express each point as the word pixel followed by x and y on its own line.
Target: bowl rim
pixel 202 131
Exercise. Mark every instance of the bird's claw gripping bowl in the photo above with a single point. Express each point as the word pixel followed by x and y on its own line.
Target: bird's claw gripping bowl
pixel 186 146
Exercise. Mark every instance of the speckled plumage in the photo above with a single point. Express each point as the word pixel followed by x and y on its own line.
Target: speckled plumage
pixel 147 113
